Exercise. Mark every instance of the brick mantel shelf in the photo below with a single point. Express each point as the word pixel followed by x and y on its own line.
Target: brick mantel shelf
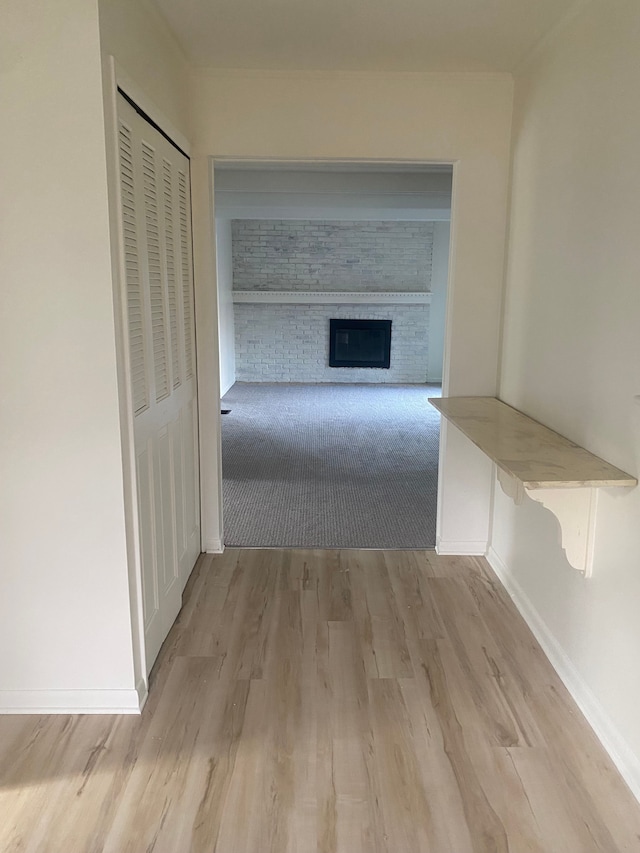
pixel 328 297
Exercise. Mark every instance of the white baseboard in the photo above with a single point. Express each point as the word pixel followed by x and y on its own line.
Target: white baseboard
pixel 73 701
pixel 450 548
pixel 213 546
pixel 143 694
pixel 624 758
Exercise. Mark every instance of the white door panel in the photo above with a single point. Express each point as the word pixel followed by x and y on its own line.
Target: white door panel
pixel 170 589
pixel 149 542
pixel 156 223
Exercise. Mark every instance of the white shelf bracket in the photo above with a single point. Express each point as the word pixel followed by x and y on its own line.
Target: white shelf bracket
pixel 511 486
pixel 575 510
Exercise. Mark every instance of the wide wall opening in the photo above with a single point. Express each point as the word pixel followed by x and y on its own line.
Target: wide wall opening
pixel 331 294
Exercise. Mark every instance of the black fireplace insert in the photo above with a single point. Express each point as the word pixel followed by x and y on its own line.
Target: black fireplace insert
pixel 359 343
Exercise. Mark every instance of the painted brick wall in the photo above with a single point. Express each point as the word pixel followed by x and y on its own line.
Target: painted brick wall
pixel 290 343
pixel 321 255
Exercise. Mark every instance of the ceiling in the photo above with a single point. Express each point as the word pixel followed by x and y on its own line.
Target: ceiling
pixel 361 35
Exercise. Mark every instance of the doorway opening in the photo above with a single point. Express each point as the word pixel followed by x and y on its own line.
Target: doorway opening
pixel 332 289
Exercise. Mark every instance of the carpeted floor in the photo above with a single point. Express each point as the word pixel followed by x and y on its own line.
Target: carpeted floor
pixel 330 466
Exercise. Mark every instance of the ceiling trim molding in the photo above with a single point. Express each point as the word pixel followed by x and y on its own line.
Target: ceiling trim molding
pixel 331 74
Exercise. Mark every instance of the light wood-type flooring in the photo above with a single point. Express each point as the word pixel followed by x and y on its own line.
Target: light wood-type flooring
pixel 353 701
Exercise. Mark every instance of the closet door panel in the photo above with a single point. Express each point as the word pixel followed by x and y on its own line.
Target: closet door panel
pixel 160 334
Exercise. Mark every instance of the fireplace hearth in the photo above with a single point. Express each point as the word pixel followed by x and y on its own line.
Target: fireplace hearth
pixel 359 343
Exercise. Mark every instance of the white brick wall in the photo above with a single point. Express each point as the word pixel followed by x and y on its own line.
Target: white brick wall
pixel 322 255
pixel 290 343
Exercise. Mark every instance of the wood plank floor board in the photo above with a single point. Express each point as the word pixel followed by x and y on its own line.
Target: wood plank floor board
pixel 408 820
pixel 519 648
pixel 245 643
pixel 449 566
pixel 66 769
pixel 325 573
pixel 194 733
pixel 482 687
pixel 556 823
pixel 448 826
pixel 576 755
pixel 348 801
pixel 485 827
pixel 212 601
pixel 327 702
pixel 241 817
pixel 378 615
pixel 413 592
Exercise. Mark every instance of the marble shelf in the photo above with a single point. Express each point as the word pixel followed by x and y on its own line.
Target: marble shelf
pixel 527 450
pixel 535 461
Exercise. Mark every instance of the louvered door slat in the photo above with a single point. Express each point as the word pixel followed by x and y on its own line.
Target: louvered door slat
pixel 156 288
pixel 139 385
pixel 187 286
pixel 170 256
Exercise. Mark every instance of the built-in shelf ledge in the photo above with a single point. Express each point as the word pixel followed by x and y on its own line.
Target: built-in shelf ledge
pixel 537 462
pixel 331 297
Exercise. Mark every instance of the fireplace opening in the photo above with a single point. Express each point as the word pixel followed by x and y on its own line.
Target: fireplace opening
pixel 359 343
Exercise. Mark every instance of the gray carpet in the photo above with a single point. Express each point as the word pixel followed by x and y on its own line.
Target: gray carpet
pixel 330 466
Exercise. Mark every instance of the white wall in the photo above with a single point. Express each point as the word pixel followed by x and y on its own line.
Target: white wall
pixel 65 617
pixel 134 32
pixel 224 274
pixel 572 348
pixel 464 119
pixel 437 313
pixel 65 625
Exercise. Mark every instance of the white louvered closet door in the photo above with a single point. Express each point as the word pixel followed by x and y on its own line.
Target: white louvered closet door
pixel 156 228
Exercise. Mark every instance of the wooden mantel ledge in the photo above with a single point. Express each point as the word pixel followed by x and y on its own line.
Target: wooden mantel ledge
pixel 525 449
pixel 537 462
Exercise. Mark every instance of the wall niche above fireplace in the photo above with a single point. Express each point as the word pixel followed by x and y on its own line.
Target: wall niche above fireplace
pixel 359 343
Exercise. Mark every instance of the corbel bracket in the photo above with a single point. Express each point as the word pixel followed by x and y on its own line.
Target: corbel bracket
pixel 575 510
